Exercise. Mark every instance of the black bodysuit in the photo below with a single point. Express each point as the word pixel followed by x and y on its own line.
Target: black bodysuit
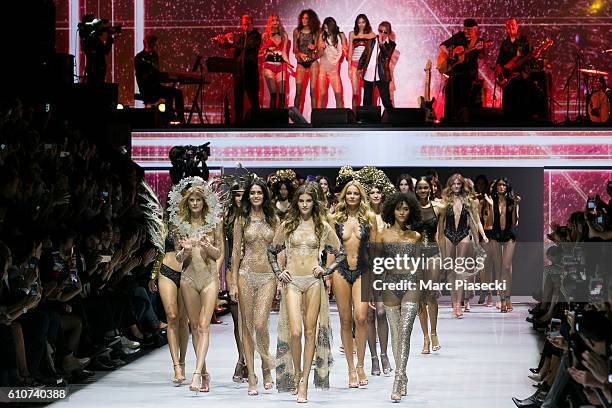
pixel 456 235
pixel 351 276
pixel 428 228
pixel 497 233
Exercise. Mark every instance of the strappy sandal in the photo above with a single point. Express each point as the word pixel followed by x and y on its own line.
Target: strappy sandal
pixel 384 360
pixel 177 381
pixel 267 379
pixel 353 383
pixel 238 373
pixel 375 366
pixel 205 383
pixel 435 343
pixel 363 380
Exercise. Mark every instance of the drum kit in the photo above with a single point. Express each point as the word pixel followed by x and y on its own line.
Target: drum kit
pixel 598 95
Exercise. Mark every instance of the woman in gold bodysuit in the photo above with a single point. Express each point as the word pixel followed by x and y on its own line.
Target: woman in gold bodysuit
pixel 303 236
pixel 253 282
pixel 199 254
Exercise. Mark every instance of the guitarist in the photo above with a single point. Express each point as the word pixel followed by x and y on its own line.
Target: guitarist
pixel 516 92
pixel 460 92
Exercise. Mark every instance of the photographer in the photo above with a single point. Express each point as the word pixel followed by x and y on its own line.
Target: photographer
pixel 97 37
pixel 189 161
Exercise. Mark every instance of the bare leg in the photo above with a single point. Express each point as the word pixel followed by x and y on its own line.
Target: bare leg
pixel 463 249
pixel 432 308
pixel 360 310
pixel 372 341
pixel 508 254
pixel 183 330
pixel 299 85
pixel 191 298
pixel 208 301
pixel 314 75
pixel 323 85
pixel 354 77
pixel 336 84
pixel 271 83
pixel 293 301
pixel 496 259
pixel 312 305
pixel 342 291
pixel 169 295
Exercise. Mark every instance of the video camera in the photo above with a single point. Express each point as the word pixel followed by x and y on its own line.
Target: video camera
pixel 90 26
pixel 189 161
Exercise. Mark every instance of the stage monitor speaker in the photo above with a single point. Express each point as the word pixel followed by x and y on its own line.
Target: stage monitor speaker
pixel 404 117
pixel 334 117
pixel 267 118
pixel 146 118
pixel 296 116
pixel 485 116
pixel 368 114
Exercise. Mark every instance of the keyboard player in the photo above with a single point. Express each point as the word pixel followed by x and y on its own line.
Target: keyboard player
pixel 149 78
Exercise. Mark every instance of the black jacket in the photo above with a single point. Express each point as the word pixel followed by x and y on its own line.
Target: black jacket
pixel 384 59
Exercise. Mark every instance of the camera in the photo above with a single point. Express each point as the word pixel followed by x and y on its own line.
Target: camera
pixel 91 26
pixel 34 289
pixel 188 161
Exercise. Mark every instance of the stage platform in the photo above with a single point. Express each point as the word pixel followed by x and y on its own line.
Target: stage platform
pixel 483 362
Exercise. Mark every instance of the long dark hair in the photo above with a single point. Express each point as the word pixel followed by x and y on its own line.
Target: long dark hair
pixel 388 213
pixel 266 205
pixel 368 27
pixel 232 212
pixel 408 178
pixel 334 30
pixel 509 192
pixel 314 24
pixel 428 180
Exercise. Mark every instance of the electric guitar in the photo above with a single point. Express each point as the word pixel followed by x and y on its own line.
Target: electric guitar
pixel 511 69
pixel 424 101
pixel 456 56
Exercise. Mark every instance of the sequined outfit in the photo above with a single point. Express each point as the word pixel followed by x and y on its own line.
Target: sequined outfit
pixel 304 246
pixel 303 41
pixel 456 233
pixel 255 281
pixel 351 275
pixel 428 227
pixel 401 318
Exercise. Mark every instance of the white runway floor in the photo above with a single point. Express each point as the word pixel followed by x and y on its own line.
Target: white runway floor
pixel 483 362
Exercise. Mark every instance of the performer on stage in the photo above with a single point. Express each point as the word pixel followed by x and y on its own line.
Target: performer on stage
pixel 332 48
pixel 400 212
pixel 196 212
pixel 374 64
pixel 229 218
pixel 148 76
pixel 431 216
pixel 303 236
pixel 253 282
pixel 461 225
pixel 358 41
pixel 274 51
pixel 504 205
pixel 483 191
pixel 245 46
pixel 355 226
pixel 307 53
pixel 404 183
pixel 166 278
pixel 325 186
pixel 461 87
pixel 515 97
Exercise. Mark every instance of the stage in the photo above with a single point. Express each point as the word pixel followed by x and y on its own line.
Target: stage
pixel 483 362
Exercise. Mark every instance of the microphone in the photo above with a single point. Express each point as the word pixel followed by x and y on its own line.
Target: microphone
pixel 609 50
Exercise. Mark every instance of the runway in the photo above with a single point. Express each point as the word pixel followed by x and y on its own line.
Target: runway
pixel 483 362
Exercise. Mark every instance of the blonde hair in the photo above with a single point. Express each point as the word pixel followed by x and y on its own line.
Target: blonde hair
pixel 341 214
pixel 268 32
pixel 467 191
pixel 184 213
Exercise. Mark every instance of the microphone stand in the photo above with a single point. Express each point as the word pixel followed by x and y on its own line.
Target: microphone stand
pixel 567 87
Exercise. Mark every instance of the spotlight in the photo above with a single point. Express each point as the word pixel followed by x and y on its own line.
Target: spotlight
pixel 161 107
pixel 119 106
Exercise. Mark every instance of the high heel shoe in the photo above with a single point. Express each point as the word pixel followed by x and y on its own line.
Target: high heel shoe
pixel 489 301
pixel 297 377
pixel 178 380
pixel 509 305
pixel 425 345
pixel 404 385
pixel 267 379
pixel 503 307
pixel 195 388
pixel 205 383
pixel 302 389
pixel 238 372
pixel 384 360
pixel 252 386
pixel 467 307
pixel 353 379
pixel 435 343
pixel 375 366
pixel 396 393
pixel 363 380
pixel 481 298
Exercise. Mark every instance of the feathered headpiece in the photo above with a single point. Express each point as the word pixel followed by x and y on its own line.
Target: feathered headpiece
pixel 213 199
pixel 284 176
pixel 345 175
pixel 227 184
pixel 371 177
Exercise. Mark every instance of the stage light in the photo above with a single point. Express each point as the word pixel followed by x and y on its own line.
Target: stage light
pixel 161 107
pixel 596 6
pixel 119 106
